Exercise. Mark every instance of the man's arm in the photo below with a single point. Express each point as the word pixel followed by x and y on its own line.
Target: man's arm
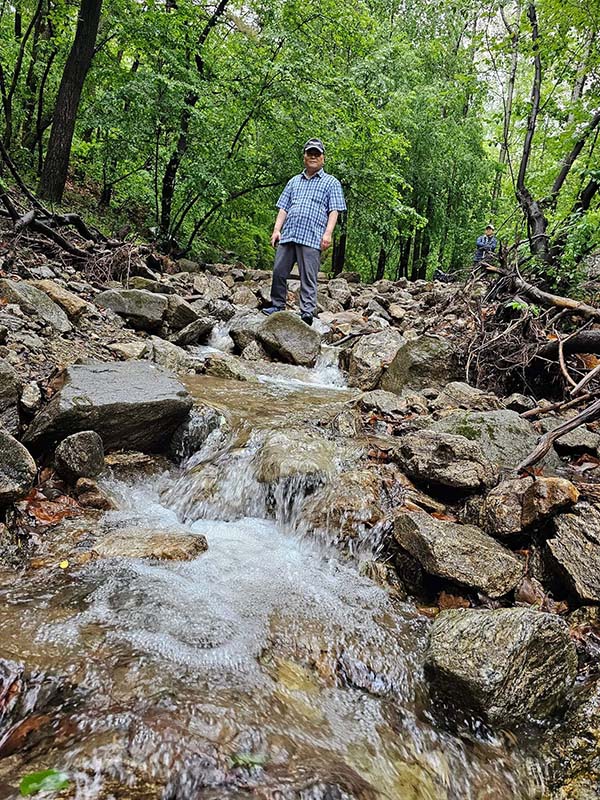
pixel 276 235
pixel 331 223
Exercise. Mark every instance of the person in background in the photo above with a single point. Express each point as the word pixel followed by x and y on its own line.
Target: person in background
pixel 485 244
pixel 308 211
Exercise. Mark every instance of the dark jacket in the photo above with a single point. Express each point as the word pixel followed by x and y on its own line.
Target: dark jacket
pixel 485 245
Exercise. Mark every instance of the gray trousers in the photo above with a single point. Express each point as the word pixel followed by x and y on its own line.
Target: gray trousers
pixel 309 261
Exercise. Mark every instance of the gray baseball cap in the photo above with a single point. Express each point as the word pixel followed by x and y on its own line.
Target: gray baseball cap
pixel 314 144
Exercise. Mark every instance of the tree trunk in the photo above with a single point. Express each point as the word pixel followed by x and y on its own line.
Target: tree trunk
pixel 56 164
pixel 381 262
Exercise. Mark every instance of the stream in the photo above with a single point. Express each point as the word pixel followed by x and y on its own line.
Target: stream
pixel 270 666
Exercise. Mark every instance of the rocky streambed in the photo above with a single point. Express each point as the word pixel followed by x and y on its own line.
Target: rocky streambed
pixel 303 568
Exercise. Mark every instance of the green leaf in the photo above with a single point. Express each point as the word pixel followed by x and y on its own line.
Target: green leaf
pixel 48 780
pixel 247 760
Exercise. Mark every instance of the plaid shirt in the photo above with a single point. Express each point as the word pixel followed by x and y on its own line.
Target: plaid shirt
pixel 308 202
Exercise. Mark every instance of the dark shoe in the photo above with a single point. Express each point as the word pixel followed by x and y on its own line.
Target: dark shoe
pixel 308 318
pixel 271 310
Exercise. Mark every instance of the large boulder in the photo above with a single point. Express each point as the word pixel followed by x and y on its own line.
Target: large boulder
pixel 135 405
pixel 287 338
pixel 443 459
pixel 17 469
pixel 141 309
pixel 422 362
pixel 243 329
pixel 35 302
pixel 460 395
pixel 80 455
pixel 575 551
pixel 9 398
pixel 508 666
pixel 504 436
pixel 179 313
pixel 515 505
pixel 370 355
pixel 460 553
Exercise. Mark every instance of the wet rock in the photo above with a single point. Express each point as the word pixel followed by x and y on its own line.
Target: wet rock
pixel 461 553
pixel 194 332
pixel 130 350
pixel 171 357
pixel 35 303
pixel 141 309
pixel 515 505
pixel 167 545
pixel 228 367
pixel 80 455
pixel 179 313
pixel 132 405
pixel 243 330
pixel 371 355
pixel 297 454
pixel 190 437
pixel 426 361
pixel 507 665
pixel 383 402
pixel 286 337
pixel 244 296
pixel 73 305
pixel 17 469
pixel 346 509
pixel 340 291
pixel 90 495
pixel 31 398
pixel 443 459
pixel 575 551
pixel 504 436
pixel 255 352
pixel 10 386
pixel 221 310
pixel 129 465
pixel 460 395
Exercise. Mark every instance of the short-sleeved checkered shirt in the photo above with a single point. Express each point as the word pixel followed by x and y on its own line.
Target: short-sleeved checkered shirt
pixel 308 202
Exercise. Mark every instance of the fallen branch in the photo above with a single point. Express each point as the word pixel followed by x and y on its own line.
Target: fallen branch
pixel 588 414
pixel 585 380
pixel 562 405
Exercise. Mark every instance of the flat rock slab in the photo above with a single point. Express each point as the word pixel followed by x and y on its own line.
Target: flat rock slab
pixel 35 302
pixel 504 436
pixel 287 338
pixel 575 551
pixel 17 469
pixel 300 455
pixel 139 543
pixel 141 309
pixel 508 665
pixel 460 553
pixel 133 405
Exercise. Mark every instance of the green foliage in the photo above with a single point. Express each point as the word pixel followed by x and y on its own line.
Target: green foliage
pixel 48 780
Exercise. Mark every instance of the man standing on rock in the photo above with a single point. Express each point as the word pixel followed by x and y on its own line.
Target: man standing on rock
pixel 308 211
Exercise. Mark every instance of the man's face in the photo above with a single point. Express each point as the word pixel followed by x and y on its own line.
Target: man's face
pixel 313 159
pixel 489 231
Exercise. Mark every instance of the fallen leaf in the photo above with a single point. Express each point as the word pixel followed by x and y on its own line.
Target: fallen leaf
pixel 51 511
pixel 446 600
pixel 444 517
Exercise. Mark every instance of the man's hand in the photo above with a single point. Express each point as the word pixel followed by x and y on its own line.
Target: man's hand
pixel 275 237
pixel 326 241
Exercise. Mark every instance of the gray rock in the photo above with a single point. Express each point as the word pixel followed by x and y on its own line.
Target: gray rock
pixel 31 397
pixel 575 551
pixel 192 434
pixel 194 332
pixel 9 398
pixel 210 287
pixel 286 337
pixel 575 442
pixel 244 296
pixel 171 356
pixel 460 395
pixel 509 665
pixel 504 436
pixel 298 454
pixel 133 404
pixel 80 455
pixel 370 355
pixel 339 290
pixel 141 309
pixel 179 313
pixel 444 459
pixel 461 553
pixel 383 402
pixel 35 302
pixel 243 329
pixel 17 469
pixel 228 367
pixel 150 285
pixel 222 310
pixel 426 361
pixel 519 402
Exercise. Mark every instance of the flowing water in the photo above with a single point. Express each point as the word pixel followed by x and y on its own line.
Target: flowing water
pixel 267 667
